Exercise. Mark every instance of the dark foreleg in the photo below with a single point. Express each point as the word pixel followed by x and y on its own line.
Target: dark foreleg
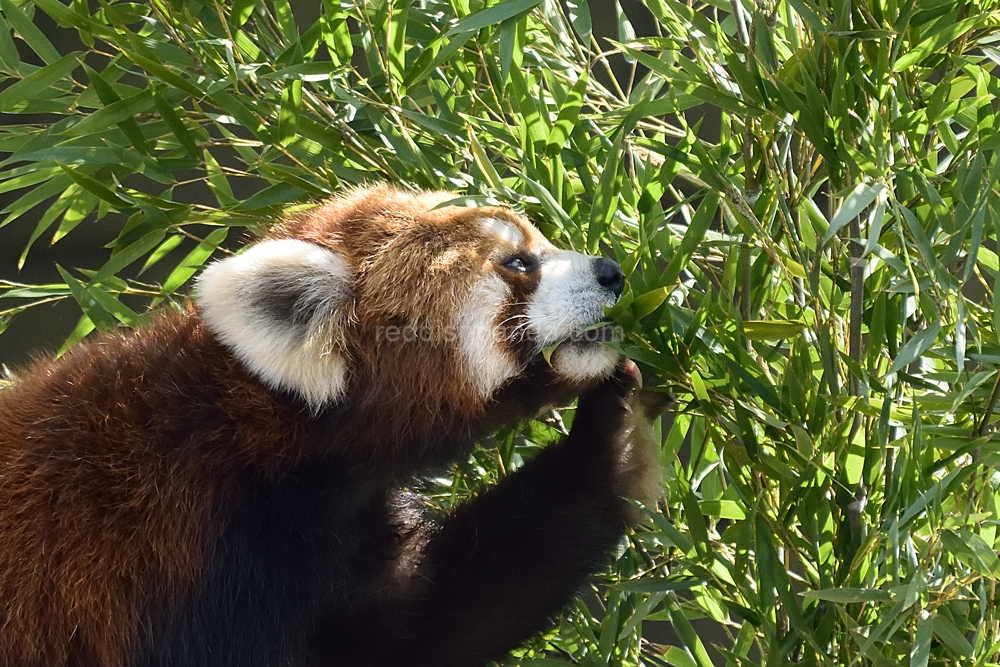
pixel 502 565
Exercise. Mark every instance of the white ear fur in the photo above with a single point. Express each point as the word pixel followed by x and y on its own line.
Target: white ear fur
pixel 278 307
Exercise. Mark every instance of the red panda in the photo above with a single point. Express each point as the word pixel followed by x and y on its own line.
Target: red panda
pixel 227 485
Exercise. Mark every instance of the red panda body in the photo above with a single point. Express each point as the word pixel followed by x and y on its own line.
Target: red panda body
pixel 226 485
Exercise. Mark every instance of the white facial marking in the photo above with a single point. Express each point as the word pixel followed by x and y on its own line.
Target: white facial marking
pixel 568 297
pixel 486 360
pixel 505 230
pixel 584 361
pixel 275 307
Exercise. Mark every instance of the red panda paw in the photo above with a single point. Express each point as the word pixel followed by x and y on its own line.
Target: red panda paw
pixel 637 466
pixel 615 421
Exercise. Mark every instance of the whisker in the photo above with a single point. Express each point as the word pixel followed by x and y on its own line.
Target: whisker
pixel 513 317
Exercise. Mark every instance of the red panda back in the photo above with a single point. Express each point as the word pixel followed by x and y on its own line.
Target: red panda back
pixel 114 461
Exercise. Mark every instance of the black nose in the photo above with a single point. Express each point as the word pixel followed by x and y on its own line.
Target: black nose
pixel 609 275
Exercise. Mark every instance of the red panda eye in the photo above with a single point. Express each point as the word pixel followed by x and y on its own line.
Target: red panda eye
pixel 520 264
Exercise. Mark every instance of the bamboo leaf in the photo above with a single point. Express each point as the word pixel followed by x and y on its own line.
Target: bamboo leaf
pixel 29 32
pixel 96 314
pixel 127 255
pixel 915 347
pixel 498 13
pixel 579 16
pixel 693 237
pixel 194 261
pixel 848 595
pixel 935 42
pixel 288 116
pixel 38 82
pixel 10 59
pixel 176 125
pixel 772 330
pixel 856 202
pixel 95 188
pixel 569 115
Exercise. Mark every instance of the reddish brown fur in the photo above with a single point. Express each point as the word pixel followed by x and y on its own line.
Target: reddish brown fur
pixel 72 446
pixel 67 588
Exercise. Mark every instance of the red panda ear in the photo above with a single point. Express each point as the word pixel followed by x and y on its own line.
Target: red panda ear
pixel 281 308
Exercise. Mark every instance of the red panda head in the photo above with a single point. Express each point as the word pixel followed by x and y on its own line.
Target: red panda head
pixel 379 292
